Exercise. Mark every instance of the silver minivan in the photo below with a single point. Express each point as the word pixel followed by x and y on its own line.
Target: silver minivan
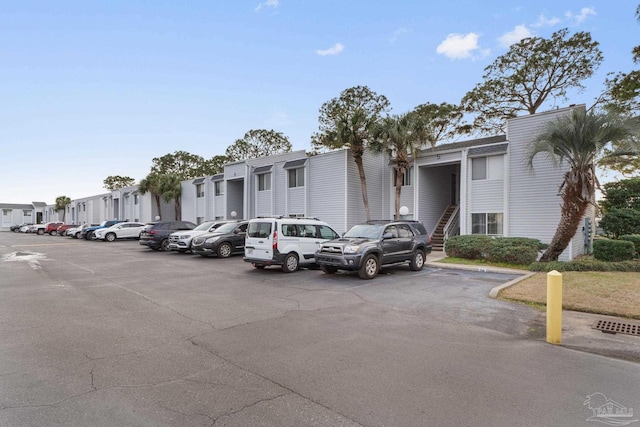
pixel 288 242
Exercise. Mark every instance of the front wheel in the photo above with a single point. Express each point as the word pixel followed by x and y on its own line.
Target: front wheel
pixel 89 235
pixel 417 260
pixel 40 231
pixel 290 263
pixel 369 268
pixel 53 232
pixel 224 250
pixel 110 237
pixel 164 245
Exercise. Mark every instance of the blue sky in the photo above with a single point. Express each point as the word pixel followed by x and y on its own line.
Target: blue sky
pixel 97 88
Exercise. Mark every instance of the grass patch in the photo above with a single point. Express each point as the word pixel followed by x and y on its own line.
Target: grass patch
pixel 481 263
pixel 609 293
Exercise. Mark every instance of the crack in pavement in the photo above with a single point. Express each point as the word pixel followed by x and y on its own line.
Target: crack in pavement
pixel 272 381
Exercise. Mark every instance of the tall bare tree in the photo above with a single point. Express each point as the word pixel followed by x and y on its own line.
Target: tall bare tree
pixel 532 71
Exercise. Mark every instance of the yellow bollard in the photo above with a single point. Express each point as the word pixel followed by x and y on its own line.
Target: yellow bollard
pixel 554 307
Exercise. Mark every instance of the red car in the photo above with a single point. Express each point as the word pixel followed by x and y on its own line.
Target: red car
pixel 62 229
pixel 51 228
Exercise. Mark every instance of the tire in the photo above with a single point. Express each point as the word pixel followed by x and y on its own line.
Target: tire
pixel 369 268
pixel 77 235
pixel 290 263
pixel 110 237
pixel 40 231
pixel 224 250
pixel 89 236
pixel 53 232
pixel 417 260
pixel 164 245
pixel 328 269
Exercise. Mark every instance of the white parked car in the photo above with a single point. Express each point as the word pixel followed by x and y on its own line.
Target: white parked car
pixel 26 228
pixel 181 240
pixel 76 232
pixel 122 230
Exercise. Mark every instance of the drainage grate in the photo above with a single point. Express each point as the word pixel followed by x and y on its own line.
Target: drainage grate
pixel 609 327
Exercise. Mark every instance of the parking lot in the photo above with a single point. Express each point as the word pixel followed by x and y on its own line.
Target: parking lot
pixel 97 333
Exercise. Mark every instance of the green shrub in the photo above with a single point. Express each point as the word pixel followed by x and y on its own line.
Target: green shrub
pixel 586 264
pixel 523 255
pixel 510 250
pixel 471 246
pixel 618 222
pixel 613 250
pixel 635 238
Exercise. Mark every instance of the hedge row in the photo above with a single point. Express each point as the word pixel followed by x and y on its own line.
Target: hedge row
pixel 586 264
pixel 613 250
pixel 511 250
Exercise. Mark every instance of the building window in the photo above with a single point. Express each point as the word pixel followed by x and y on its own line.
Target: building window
pixel 135 199
pixel 296 177
pixel 218 188
pixel 199 220
pixel 479 168
pixel 487 223
pixel 26 214
pixel 199 190
pixel 406 177
pixel 487 168
pixel 264 182
pixel 6 212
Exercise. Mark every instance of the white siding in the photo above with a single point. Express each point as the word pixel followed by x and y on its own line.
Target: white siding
pixel 326 188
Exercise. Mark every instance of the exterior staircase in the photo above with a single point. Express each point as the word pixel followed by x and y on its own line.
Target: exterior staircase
pixel 438 235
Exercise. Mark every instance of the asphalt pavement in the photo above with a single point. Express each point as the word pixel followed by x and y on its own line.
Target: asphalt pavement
pixel 578 330
pixel 104 334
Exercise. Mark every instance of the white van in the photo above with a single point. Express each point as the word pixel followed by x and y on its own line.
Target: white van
pixel 289 242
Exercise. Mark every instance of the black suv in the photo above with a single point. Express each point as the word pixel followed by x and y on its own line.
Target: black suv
pixel 224 241
pixel 366 247
pixel 156 234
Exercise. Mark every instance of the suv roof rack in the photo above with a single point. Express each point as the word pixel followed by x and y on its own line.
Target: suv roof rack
pixel 387 221
pixel 288 217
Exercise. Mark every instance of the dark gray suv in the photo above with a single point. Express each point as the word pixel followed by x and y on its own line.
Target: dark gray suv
pixel 366 247
pixel 155 235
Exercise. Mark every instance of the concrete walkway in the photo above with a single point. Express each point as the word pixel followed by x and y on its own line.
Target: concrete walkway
pixel 577 327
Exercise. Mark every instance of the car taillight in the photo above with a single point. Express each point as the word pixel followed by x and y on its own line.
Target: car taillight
pixel 275 241
pixel 152 232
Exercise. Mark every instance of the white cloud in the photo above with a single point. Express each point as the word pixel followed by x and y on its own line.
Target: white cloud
pixel 543 21
pixel 518 33
pixel 334 50
pixel 458 46
pixel 585 12
pixel 397 33
pixel 268 3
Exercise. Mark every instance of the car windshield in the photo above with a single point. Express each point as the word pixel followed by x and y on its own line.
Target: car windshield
pixel 103 223
pixel 365 231
pixel 226 228
pixel 205 226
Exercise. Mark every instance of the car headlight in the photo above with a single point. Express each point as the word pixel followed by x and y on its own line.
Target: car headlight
pixel 351 249
pixel 212 239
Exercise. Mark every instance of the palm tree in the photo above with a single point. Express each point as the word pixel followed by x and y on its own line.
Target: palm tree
pixel 171 189
pixel 346 122
pixel 61 205
pixel 579 139
pixel 401 136
pixel 151 183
